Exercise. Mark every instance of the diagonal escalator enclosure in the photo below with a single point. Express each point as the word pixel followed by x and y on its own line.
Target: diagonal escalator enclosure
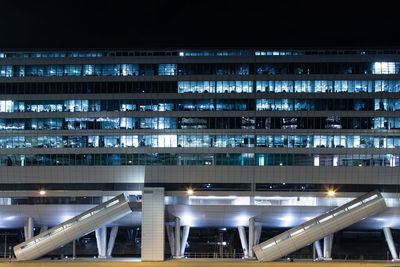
pixel 319 227
pixel 74 228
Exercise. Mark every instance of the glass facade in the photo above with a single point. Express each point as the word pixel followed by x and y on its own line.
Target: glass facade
pixel 255 108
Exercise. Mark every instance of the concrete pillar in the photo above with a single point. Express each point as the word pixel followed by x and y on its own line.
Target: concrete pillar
pixel 221 245
pixel 318 249
pixel 328 247
pixel 251 237
pixel 98 241
pixel 185 235
pixel 111 241
pixel 74 249
pixel 243 240
pixel 171 239
pixel 177 237
pixel 26 232
pixel 389 240
pixel 28 229
pixel 257 234
pixel 153 223
pixel 101 239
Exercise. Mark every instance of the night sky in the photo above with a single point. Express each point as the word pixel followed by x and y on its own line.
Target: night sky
pixel 158 24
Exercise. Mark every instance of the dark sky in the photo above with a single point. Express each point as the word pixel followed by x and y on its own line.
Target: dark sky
pixel 190 23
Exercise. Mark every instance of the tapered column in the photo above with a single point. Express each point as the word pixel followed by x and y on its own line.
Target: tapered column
pixel 318 249
pixel 177 237
pixel 74 249
pixel 389 241
pixel 221 244
pixel 26 232
pixel 251 237
pixel 243 240
pixel 185 235
pixel 101 238
pixel 328 247
pixel 171 239
pixel 28 228
pixel 111 241
pixel 98 241
pixel 257 234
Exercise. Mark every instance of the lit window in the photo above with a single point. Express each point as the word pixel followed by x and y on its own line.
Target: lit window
pixel 384 68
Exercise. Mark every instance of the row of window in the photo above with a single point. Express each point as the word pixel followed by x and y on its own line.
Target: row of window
pixel 87 70
pixel 201 141
pixel 199 69
pixel 199 105
pixel 328 104
pixel 161 123
pixel 298 86
pixel 317 86
pixel 244 159
pixel 194 53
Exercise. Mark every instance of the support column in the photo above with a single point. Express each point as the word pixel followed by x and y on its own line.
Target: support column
pixel 177 237
pixel 111 241
pixel 257 234
pixel 29 228
pixel 171 239
pixel 328 247
pixel 221 245
pixel 74 249
pixel 101 239
pixel 243 240
pixel 251 237
pixel 26 232
pixel 153 224
pixel 185 235
pixel 318 249
pixel 389 240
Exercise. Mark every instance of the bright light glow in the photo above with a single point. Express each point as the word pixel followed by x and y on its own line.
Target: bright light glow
pixel 181 54
pixel 9 218
pixel 316 160
pixel 286 218
pixel 331 193
pixel 42 192
pixel 380 219
pixel 65 217
pixel 190 192
pixel 187 219
pixel 287 221
pixel 242 220
pixel 335 160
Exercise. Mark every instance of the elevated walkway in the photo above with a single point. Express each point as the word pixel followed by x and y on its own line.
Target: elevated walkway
pixel 319 227
pixel 74 228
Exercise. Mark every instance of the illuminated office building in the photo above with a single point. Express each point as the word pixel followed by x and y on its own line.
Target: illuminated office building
pixel 258 130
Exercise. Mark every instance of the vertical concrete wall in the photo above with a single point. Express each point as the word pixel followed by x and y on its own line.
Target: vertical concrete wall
pixel 153 224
